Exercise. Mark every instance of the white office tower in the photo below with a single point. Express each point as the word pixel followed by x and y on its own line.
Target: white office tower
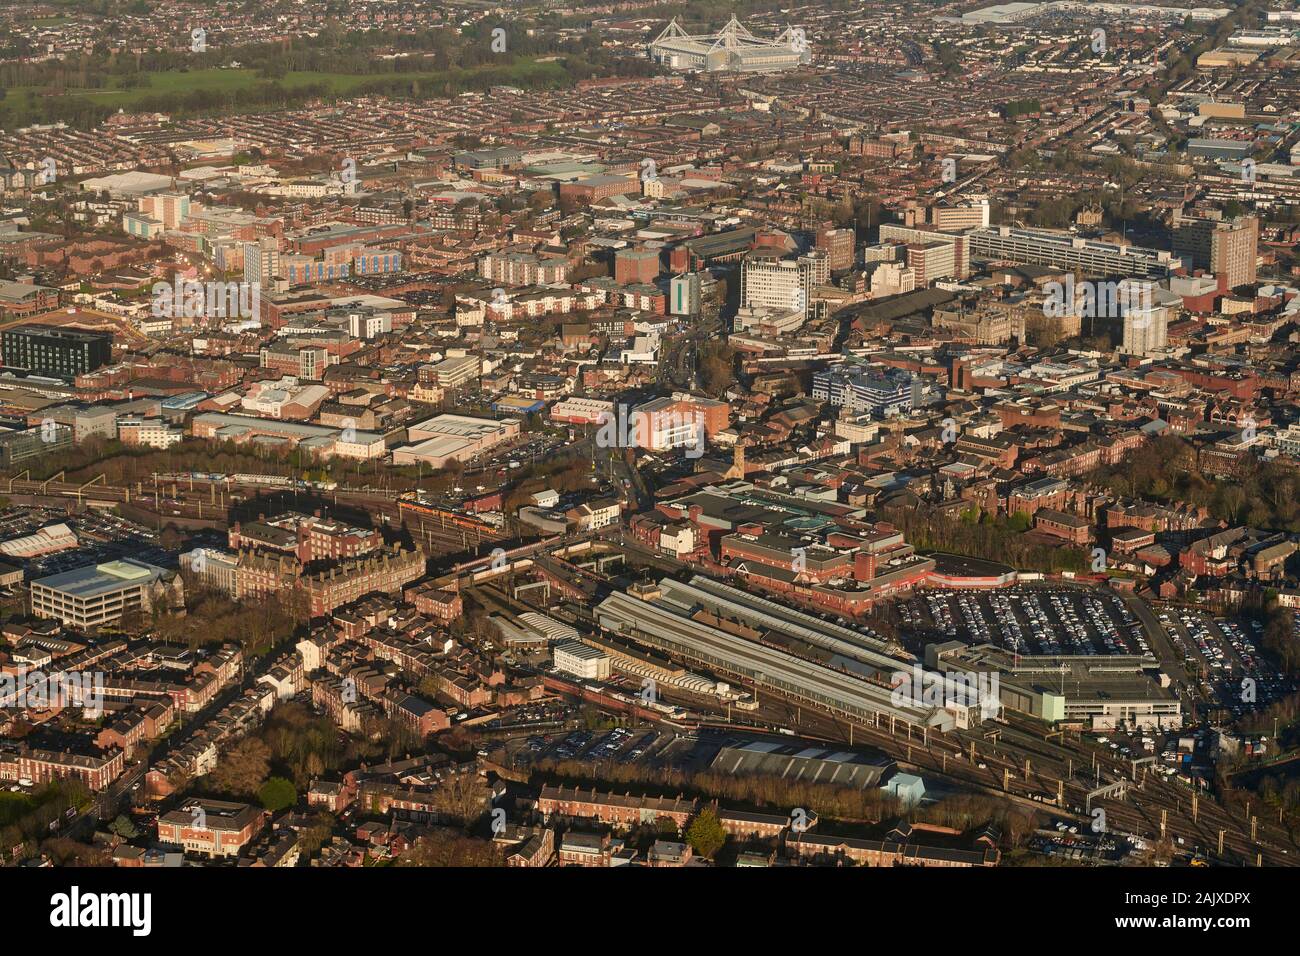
pixel 770 282
pixel 261 262
pixel 1146 319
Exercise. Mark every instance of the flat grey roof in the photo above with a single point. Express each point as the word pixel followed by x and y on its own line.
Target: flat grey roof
pixel 96 579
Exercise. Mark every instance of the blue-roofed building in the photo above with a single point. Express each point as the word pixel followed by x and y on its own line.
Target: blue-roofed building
pixel 518 405
pixel 907 787
pixel 184 401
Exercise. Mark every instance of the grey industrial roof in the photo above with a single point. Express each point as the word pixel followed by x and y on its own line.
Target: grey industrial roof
pixel 797 762
pixel 96 579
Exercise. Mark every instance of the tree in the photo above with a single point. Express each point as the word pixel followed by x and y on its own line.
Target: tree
pixel 313 836
pixel 277 794
pixel 716 366
pixel 124 827
pixel 244 768
pixel 705 834
pixel 67 852
pixel 1020 521
pixel 462 797
pixel 442 847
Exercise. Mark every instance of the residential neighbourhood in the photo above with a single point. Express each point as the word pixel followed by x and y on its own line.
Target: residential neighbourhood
pixel 650 435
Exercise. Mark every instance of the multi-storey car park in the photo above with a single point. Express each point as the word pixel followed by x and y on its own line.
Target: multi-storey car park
pixel 1064 251
pixel 1099 693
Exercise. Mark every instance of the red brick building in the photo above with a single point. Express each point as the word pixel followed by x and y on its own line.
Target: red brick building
pixel 633 266
pixel 211 827
pixel 441 605
pixel 538 850
pixel 586 191
pixel 902 846
pixel 1061 525
pixel 43 766
pixel 612 809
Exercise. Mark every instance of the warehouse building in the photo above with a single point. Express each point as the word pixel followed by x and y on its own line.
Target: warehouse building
pixel 840 768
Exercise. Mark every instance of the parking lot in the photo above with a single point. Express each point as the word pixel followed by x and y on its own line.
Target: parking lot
pixel 528 448
pixel 101 536
pixel 1030 620
pixel 546 714
pixel 620 745
pixel 104 538
pixel 1223 654
pixel 1065 842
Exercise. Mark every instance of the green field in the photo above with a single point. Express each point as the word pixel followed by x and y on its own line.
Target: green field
pixel 24 105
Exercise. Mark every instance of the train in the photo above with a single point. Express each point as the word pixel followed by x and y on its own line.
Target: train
pixel 447 516
pixel 270 481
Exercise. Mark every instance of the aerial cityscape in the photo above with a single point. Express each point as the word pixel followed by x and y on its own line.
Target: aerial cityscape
pixel 649 434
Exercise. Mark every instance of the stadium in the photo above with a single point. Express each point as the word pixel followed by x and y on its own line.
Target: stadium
pixel 731 50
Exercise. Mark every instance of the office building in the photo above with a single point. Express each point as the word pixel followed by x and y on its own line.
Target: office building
pixel 456 371
pixel 768 281
pixel 882 392
pixel 306 362
pixel 101 593
pixel 261 261
pixel 61 352
pixel 684 296
pixel 1145 332
pixel 581 660
pixel 367 323
pixel 1229 249
pixel 925 258
pixel 676 421
pixel 891 278
pixel 930 261
pixel 169 209
pixel 838 244
pixel 211 827
pixel 1145 317
pixel 968 215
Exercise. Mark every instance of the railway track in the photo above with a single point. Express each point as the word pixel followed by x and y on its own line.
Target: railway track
pixel 1019 758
